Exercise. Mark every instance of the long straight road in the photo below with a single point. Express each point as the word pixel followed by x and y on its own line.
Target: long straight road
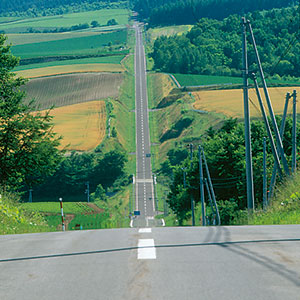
pixel 145 201
pixel 183 263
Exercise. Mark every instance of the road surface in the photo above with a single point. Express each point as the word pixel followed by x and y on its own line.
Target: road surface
pixel 228 263
pixel 144 192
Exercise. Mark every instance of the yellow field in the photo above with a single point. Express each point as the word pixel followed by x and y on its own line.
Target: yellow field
pixel 230 102
pixel 68 69
pixel 82 125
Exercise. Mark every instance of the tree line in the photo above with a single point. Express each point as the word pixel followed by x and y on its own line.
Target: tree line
pixel 225 153
pixel 214 47
pixel 177 12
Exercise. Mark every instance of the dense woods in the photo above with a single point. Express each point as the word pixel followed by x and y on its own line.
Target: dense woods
pixel 170 12
pixel 214 47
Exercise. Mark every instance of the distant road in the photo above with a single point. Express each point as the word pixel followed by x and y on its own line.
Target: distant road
pixel 228 263
pixel 144 181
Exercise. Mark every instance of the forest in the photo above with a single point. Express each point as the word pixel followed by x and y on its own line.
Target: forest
pixel 213 47
pixel 178 12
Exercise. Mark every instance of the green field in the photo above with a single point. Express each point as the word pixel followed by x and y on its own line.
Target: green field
pixel 198 80
pixel 81 45
pixel 67 20
pixel 116 59
pixel 54 207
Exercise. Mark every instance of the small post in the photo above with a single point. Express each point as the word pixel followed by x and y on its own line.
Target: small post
pixel 30 195
pixel 249 169
pixel 192 198
pixel 264 174
pixel 201 187
pixel 294 135
pixel 62 214
pixel 87 191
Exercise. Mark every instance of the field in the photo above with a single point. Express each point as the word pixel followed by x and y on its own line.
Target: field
pixel 116 60
pixel 67 20
pixel 69 69
pixel 230 102
pixel 197 80
pixel 82 126
pixel 74 88
pixel 91 44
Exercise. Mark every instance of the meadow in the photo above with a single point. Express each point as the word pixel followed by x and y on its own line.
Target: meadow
pixel 168 31
pixel 86 45
pixel 73 88
pixel 66 20
pixel 230 102
pixel 82 126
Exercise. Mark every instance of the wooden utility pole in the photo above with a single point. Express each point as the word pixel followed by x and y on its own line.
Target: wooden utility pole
pixel 249 169
pixel 192 198
pixel 201 182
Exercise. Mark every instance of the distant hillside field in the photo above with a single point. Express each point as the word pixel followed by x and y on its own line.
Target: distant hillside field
pixel 82 125
pixel 230 102
pixel 66 20
pixel 74 88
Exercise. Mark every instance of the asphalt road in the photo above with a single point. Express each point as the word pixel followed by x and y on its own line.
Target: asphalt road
pixel 144 181
pixel 228 263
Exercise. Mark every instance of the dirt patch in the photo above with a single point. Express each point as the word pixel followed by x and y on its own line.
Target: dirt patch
pixel 97 210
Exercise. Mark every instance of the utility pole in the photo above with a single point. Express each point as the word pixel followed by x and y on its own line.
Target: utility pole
pixel 282 127
pixel 275 127
pixel 210 201
pixel 249 169
pixel 192 198
pixel 265 173
pixel 87 191
pixel 201 187
pixel 294 135
pixel 274 151
pixel 62 214
pixel 211 188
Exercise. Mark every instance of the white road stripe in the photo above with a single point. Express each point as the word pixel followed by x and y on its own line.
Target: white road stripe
pixel 146 249
pixel 145 230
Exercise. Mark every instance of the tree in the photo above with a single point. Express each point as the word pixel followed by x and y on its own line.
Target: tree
pixel 28 145
pixel 112 22
pixel 95 24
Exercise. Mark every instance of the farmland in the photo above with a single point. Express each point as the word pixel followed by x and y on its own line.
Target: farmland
pixel 74 88
pixel 91 44
pixel 230 102
pixel 67 69
pixel 82 125
pixel 168 31
pixel 66 20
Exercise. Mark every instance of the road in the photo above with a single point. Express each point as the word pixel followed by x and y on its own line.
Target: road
pixel 228 263
pixel 144 202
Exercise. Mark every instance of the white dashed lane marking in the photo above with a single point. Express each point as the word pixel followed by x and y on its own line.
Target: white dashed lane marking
pixel 146 249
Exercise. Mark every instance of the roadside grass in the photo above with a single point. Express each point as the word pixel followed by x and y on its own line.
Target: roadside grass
pixel 71 89
pixel 66 20
pixel 82 126
pixel 15 219
pixel 92 44
pixel 70 69
pixel 229 102
pixel 54 207
pixel 198 80
pixel 114 59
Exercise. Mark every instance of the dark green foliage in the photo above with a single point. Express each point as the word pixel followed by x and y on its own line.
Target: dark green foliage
pixel 28 146
pixel 95 24
pixel 112 22
pixel 225 154
pixel 214 47
pixel 170 12
pixel 100 170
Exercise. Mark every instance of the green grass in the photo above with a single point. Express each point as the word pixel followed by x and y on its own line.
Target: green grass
pixel 198 80
pixel 54 207
pixel 53 221
pixel 116 59
pixel 67 20
pixel 81 45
